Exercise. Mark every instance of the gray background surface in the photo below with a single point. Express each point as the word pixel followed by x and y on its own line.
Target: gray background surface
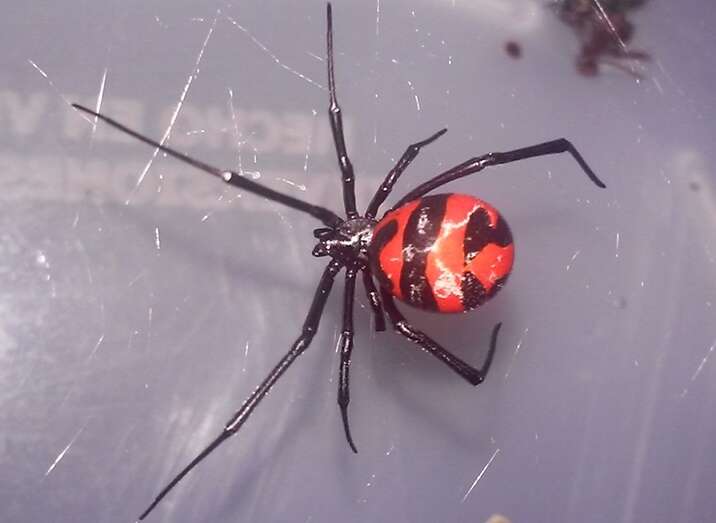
pixel 129 332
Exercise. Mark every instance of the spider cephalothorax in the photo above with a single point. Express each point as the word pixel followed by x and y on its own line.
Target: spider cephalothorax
pixel 445 253
pixel 349 241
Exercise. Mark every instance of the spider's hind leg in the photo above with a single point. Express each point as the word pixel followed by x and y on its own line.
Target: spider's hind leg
pixel 471 374
pixel 310 326
pixel 345 344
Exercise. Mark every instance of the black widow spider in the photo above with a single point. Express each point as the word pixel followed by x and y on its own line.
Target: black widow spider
pixel 427 232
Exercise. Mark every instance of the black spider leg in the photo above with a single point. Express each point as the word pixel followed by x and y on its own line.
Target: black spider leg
pixel 373 299
pixel 334 113
pixel 478 163
pixel 328 217
pixel 232 426
pixel 471 374
pixel 345 344
pixel 408 156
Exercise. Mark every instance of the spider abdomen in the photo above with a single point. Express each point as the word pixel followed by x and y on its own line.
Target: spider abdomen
pixel 443 253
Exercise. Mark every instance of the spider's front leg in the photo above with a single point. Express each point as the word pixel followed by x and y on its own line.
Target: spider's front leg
pixel 310 326
pixel 327 216
pixel 471 374
pixel 477 164
pixel 334 113
pixel 392 177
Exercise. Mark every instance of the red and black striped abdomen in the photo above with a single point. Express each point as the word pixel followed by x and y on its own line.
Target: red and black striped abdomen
pixel 444 252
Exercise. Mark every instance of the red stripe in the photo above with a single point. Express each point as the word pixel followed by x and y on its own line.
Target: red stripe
pixel 391 256
pixel 446 261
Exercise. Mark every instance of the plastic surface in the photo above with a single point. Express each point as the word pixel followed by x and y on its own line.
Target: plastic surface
pixel 130 332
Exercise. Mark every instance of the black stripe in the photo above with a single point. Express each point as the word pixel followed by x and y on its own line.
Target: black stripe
pixel 478 234
pixel 502 235
pixel 473 292
pixel 420 233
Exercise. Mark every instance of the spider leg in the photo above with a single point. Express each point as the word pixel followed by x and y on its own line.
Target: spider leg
pixel 328 217
pixel 346 347
pixel 374 300
pixel 408 156
pixel 334 113
pixel 478 163
pixel 471 374
pixel 232 426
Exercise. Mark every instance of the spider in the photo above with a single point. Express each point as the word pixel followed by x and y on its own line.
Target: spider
pixel 443 253
pixel 604 32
